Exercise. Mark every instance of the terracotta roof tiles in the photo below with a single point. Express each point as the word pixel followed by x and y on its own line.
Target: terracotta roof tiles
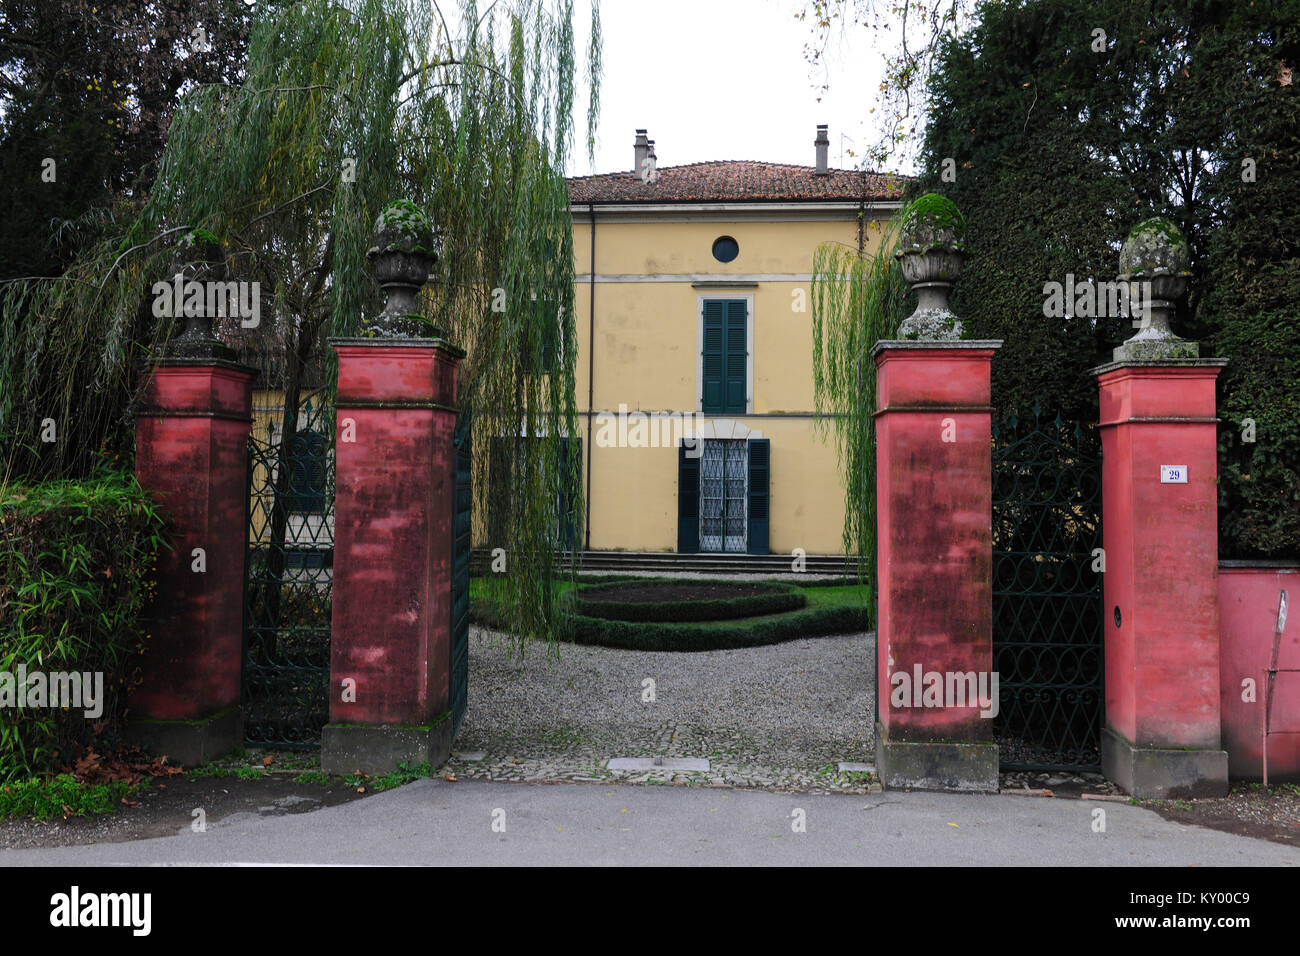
pixel 736 181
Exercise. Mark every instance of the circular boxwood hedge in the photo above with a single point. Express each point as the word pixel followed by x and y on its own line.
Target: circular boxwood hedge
pixel 715 635
pixel 677 601
pixel 686 636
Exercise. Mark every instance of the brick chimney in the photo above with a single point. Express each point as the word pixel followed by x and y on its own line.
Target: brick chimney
pixel 640 148
pixel 822 142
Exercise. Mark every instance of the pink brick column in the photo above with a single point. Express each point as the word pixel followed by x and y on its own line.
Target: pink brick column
pixel 935 558
pixel 191 451
pixel 1162 733
pixel 391 630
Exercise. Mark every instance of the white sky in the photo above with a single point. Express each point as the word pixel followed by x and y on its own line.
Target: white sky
pixel 724 79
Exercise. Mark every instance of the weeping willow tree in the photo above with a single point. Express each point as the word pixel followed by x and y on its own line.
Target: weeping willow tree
pixel 345 106
pixel 859 297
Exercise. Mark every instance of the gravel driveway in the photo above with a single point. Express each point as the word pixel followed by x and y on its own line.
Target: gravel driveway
pixel 776 716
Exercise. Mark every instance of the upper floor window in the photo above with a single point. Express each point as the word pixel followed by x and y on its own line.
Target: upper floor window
pixel 724 360
pixel 725 248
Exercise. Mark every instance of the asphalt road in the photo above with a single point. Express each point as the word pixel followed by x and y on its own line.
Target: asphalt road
pixel 438 822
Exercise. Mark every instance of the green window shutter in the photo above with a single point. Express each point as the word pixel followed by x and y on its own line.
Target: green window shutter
pixel 568 530
pixel 737 357
pixel 498 497
pixel 549 316
pixel 760 461
pixel 688 498
pixel 714 357
pixel 545 317
pixel 726 357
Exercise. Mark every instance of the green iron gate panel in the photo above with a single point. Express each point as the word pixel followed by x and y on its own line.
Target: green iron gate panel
pixel 462 502
pixel 1047 597
pixel 288 576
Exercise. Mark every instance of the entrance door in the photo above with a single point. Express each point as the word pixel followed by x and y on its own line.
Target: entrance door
pixel 724 470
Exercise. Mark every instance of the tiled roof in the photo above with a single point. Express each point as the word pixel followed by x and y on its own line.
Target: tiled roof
pixel 736 181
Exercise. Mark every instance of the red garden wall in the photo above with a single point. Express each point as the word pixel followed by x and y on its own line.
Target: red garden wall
pixel 1248 604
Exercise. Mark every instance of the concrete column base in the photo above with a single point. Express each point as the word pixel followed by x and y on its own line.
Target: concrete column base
pixel 188 743
pixel 378 748
pixel 1160 773
pixel 943 765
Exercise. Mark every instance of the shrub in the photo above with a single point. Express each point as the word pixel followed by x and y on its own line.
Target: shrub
pixel 706 636
pixel 76 573
pixel 766 598
pixel 714 636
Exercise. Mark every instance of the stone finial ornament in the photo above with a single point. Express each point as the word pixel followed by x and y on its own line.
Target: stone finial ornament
pixel 1155 260
pixel 931 253
pixel 199 258
pixel 405 250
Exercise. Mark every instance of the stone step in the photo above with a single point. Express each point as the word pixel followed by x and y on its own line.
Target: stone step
pixel 668 562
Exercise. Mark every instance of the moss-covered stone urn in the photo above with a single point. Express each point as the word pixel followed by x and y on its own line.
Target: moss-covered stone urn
pixel 200 258
pixel 931 251
pixel 1155 262
pixel 404 252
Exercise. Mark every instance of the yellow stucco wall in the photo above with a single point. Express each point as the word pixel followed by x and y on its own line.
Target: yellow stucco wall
pixel 646 351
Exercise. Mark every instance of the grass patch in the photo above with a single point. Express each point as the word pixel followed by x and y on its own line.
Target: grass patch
pixel 63 796
pixel 405 773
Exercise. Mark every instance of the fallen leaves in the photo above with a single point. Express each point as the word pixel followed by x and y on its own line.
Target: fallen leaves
pixel 127 765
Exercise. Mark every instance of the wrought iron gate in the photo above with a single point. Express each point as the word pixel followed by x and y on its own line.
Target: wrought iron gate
pixel 288 576
pixel 462 503
pixel 1047 594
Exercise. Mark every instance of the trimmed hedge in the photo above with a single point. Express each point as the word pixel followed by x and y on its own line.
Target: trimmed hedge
pixel 715 636
pixel 76 574
pixel 779 598
pixel 711 636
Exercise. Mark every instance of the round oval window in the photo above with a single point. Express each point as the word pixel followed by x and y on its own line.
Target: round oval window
pixel 725 249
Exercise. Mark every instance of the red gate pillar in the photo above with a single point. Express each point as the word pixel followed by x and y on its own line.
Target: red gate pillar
pixel 936 690
pixel 1160 538
pixel 390 639
pixel 192 452
pixel 934 502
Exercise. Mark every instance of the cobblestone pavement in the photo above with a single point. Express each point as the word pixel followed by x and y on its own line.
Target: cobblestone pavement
pixel 780 717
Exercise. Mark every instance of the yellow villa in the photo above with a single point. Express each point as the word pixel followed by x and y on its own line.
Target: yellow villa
pixel 695 386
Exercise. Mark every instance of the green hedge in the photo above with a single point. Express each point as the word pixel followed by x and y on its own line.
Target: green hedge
pixel 715 636
pixel 708 636
pixel 76 574
pixel 1054 149
pixel 779 597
